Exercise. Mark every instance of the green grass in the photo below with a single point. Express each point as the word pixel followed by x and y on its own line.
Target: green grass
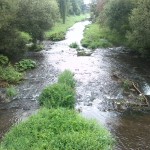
pixel 10 75
pixel 67 78
pixel 61 94
pixel 11 91
pixel 58 32
pixel 57 129
pixel 97 36
pixel 57 95
pixel 74 45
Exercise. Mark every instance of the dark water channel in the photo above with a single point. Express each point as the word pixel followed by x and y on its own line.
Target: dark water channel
pixel 96 88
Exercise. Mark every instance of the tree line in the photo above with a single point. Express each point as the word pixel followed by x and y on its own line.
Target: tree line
pixel 24 20
pixel 129 18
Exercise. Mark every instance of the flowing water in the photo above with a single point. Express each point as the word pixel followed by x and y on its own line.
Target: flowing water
pixel 97 88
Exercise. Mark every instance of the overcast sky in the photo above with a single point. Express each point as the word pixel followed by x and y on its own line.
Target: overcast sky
pixel 87 1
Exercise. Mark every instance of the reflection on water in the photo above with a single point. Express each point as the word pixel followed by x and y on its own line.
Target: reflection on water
pixel 96 89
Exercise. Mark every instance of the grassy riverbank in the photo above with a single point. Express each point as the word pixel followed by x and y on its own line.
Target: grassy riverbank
pixel 97 36
pixel 58 126
pixel 58 32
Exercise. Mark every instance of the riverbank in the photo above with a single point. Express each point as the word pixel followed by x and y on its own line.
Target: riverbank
pixel 96 87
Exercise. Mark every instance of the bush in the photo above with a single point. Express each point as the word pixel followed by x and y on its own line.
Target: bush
pixel 10 75
pixel 139 36
pixel 67 78
pixel 74 45
pixel 57 129
pixel 3 60
pixel 25 64
pixel 12 44
pixel 57 95
pixel 27 38
pixel 11 91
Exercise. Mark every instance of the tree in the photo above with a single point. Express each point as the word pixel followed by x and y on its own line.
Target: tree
pixel 139 36
pixel 63 9
pixel 117 13
pixel 36 16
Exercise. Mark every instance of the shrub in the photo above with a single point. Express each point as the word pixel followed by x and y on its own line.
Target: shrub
pixel 25 64
pixel 57 129
pixel 3 60
pixel 12 44
pixel 139 36
pixel 57 95
pixel 27 38
pixel 10 75
pixel 67 78
pixel 74 45
pixel 11 91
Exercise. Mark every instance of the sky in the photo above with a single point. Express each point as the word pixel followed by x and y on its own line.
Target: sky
pixel 87 1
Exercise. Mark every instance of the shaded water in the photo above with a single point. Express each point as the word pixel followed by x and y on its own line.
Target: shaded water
pixel 96 88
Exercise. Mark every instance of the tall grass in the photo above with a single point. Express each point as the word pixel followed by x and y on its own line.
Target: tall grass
pixel 10 75
pixel 61 94
pixel 57 129
pixel 97 36
pixel 57 95
pixel 58 32
pixel 67 78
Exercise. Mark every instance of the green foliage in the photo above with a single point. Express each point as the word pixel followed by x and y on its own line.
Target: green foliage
pixel 96 36
pixel 139 36
pixel 57 95
pixel 67 78
pixel 10 75
pixel 11 91
pixel 35 47
pixel 117 13
pixel 12 44
pixel 57 129
pixel 25 64
pixel 3 60
pixel 26 37
pixel 36 16
pixel 58 32
pixel 74 45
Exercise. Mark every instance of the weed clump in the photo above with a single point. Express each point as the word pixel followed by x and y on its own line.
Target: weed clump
pixel 10 75
pixel 74 45
pixel 57 95
pixel 67 78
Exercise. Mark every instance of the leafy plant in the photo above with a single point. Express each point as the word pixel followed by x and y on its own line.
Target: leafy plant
pixel 74 45
pixel 67 78
pixel 57 95
pixel 10 75
pixel 3 60
pixel 57 129
pixel 25 64
pixel 11 91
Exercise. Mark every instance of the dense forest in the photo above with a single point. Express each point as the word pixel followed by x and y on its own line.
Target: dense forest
pixel 127 19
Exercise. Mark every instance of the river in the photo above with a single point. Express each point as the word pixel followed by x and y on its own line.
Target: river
pixel 96 88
